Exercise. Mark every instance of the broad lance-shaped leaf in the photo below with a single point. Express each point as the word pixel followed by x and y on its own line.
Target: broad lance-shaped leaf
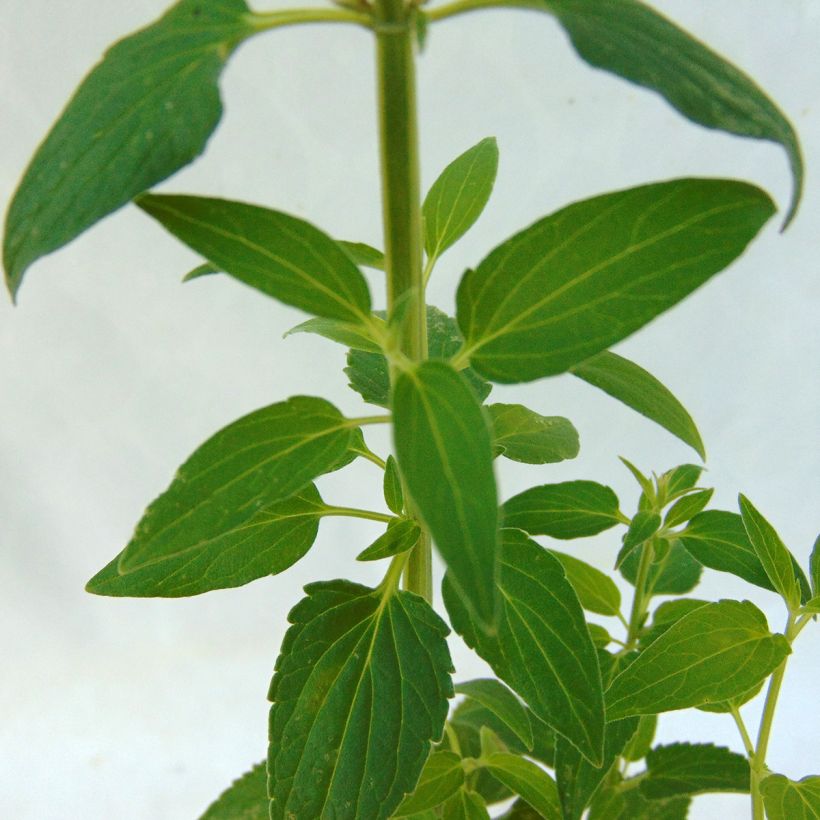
pixel 458 196
pixel 521 434
pixel 596 591
pixel 444 452
pixel 262 458
pixel 635 387
pixel 246 799
pixel 441 777
pixel 141 114
pixel 571 509
pixel 529 781
pixel 278 254
pixel 687 507
pixel 786 799
pixel 359 693
pixel 543 649
pixel 712 654
pixel 493 695
pixel 628 38
pixel 591 274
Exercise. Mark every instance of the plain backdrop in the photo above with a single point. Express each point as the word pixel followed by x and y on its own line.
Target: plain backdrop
pixel 112 372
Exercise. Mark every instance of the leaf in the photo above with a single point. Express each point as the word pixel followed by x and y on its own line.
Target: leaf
pixel 521 434
pixel 444 452
pixel 368 372
pixel 596 591
pixel 272 540
pixel 360 691
pixel 356 336
pixel 393 493
pixel 686 508
pixel 814 566
pixel 600 637
pixel 542 649
pixel 141 114
pixel 813 605
pixel 633 41
pixel 493 695
pixel 362 254
pixel 631 805
pixel 260 459
pixel 675 574
pixel 246 799
pixel 644 483
pixel 206 269
pixel 401 535
pixel 529 781
pixel 458 196
pixel 679 480
pixel 520 811
pixel 715 652
pixel 786 799
pixel 635 387
pixel 643 526
pixel 441 777
pixel 641 741
pixel 772 552
pixel 667 614
pixel 593 273
pixel 572 509
pixel 464 805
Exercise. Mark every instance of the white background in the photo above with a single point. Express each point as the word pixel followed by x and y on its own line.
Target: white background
pixel 111 372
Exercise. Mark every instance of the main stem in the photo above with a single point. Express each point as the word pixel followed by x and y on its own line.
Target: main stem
pixel 401 205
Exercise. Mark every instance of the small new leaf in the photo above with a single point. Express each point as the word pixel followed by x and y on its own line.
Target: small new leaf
pixel 441 777
pixel 246 799
pixel 393 493
pixel 786 799
pixel 355 336
pixel 814 566
pixel 401 535
pixel 362 254
pixel 686 508
pixel 596 591
pixel 643 526
pixel 521 434
pixel 465 805
pixel 493 695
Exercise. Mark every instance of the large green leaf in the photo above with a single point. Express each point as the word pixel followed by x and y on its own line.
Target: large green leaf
pixel 715 652
pixel 142 113
pixel 630 39
pixel 441 777
pixel 635 387
pixel 458 196
pixel 572 509
pixel 528 781
pixel 521 434
pixel 444 450
pixel 791 800
pixel 596 591
pixel 493 695
pixel 359 693
pixel 246 799
pixel 542 649
pixel 272 540
pixel 591 274
pixel 260 459
pixel 278 254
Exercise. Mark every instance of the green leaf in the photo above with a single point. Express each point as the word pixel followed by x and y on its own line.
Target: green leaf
pixel 520 811
pixel 272 540
pixel 260 459
pixel 368 372
pixel 812 605
pixel 667 614
pixel 441 777
pixel 686 769
pixel 246 799
pixel 643 526
pixel 359 693
pixel 630 804
pixel 362 254
pixel 679 480
pixel 635 387
pixel 529 781
pixel 715 652
pixel 641 742
pixel 578 281
pixel 786 799
pixel 278 254
pixel 772 552
pixel 458 196
pixel 572 509
pixel 543 649
pixel 814 566
pixel 401 535
pixel 521 434
pixel 444 450
pixel 675 574
pixel 600 636
pixel 393 493
pixel 206 269
pixel 141 114
pixel 596 591
pixel 648 494
pixel 686 508
pixel 633 41
pixel 495 697
pixel 356 336
pixel 464 805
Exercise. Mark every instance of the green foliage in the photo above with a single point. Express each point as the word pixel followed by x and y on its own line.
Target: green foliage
pixel 596 592
pixel 354 336
pixel 400 536
pixel 441 777
pixel 393 492
pixel 499 700
pixel 246 799
pixel 791 800
pixel 521 434
pixel 523 777
pixel 675 573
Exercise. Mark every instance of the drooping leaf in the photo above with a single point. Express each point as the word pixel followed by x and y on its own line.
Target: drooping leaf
pixel 571 509
pixel 542 649
pixel 246 799
pixel 393 493
pixel 578 281
pixel 352 335
pixel 359 693
pixel 596 591
pixel 641 742
pixel 786 799
pixel 635 387
pixel 444 450
pixel 362 254
pixel 715 652
pixel 493 695
pixel 686 769
pixel 260 459
pixel 141 114
pixel 465 805
pixel 458 196
pixel 441 777
pixel 272 540
pixel 529 781
pixel 642 527
pixel 676 573
pixel 401 535
pixel 687 507
pixel 278 254
pixel 630 39
pixel 521 434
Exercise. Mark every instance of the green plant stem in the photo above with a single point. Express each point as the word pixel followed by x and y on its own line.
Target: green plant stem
pixel 362 420
pixel 641 600
pixel 401 206
pixel 463 6
pixel 352 512
pixel 744 732
pixel 263 21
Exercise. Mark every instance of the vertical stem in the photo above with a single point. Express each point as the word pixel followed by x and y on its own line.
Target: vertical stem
pixel 639 602
pixel 401 205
